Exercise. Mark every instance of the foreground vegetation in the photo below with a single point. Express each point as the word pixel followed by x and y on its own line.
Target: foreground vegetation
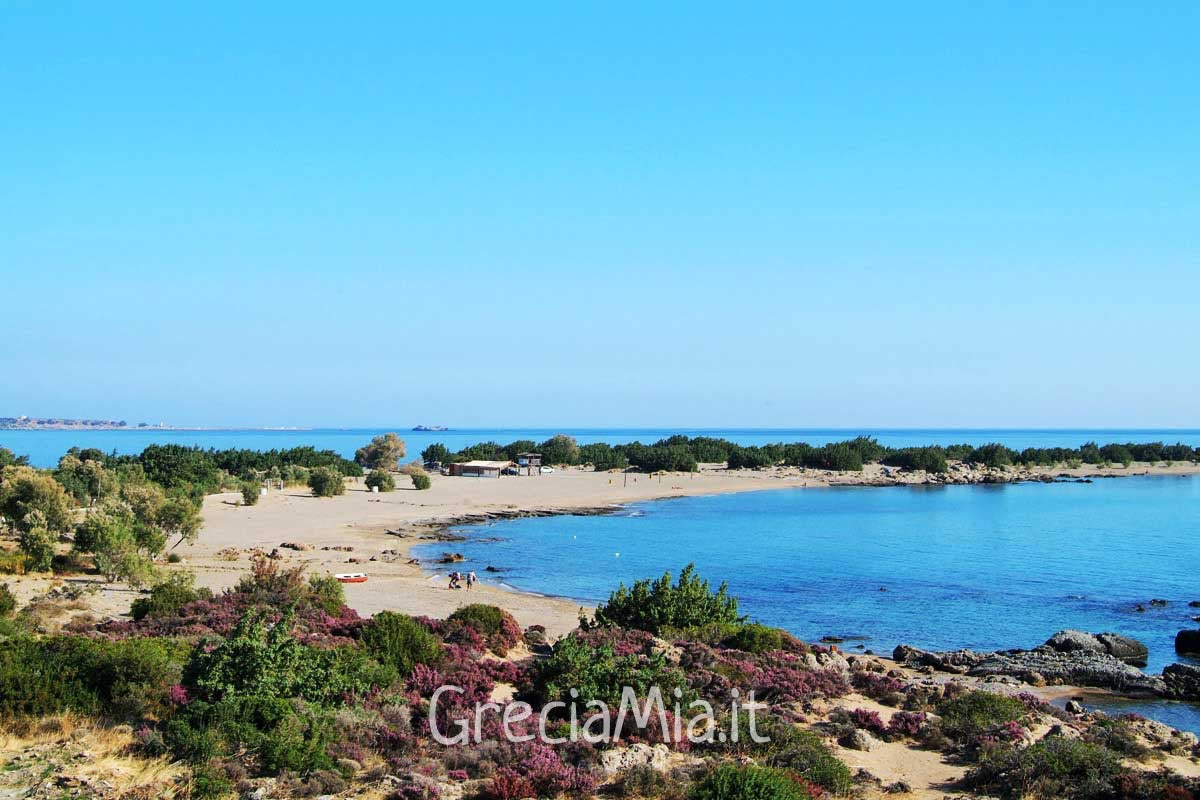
pixel 277 680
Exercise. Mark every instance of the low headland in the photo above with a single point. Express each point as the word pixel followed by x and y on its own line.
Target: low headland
pixel 141 585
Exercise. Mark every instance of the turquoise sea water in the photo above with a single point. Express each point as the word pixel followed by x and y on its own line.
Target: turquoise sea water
pixel 45 447
pixel 983 567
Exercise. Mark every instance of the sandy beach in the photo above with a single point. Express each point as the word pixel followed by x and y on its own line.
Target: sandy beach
pixel 360 520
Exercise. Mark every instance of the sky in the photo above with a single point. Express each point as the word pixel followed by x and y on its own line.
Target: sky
pixel 600 214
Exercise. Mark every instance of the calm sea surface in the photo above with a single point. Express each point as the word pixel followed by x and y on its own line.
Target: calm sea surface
pixel 961 566
pixel 983 567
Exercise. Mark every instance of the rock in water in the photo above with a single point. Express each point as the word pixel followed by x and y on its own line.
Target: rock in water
pixel 1131 651
pixel 1183 681
pixel 1187 641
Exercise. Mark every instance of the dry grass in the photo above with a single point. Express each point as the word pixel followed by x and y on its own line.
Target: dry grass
pixel 79 749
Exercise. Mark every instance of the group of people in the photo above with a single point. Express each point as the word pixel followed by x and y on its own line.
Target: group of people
pixel 456 579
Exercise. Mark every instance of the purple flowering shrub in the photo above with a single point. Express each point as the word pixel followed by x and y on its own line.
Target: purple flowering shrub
pixel 868 720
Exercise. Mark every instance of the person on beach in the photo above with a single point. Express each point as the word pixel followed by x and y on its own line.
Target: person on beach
pixel 471 579
pixel 454 579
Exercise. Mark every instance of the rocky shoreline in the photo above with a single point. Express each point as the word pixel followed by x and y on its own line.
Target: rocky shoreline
pixel 1068 658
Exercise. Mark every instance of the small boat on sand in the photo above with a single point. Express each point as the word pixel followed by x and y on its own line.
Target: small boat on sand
pixel 352 577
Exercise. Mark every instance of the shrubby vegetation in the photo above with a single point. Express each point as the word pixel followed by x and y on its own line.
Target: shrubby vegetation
pixel 655 605
pixel 683 454
pixel 381 453
pixel 421 480
pixel 381 480
pixel 326 482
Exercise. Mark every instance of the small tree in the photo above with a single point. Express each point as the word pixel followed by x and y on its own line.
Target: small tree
pixel 326 482
pixel 654 605
pixel 8 601
pixel 421 480
pixel 250 493
pixel 38 543
pixel 383 452
pixel 381 479
pixel 24 490
pixel 436 452
pixel 400 641
pixel 559 449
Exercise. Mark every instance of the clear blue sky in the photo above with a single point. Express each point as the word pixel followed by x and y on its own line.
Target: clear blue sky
pixel 601 213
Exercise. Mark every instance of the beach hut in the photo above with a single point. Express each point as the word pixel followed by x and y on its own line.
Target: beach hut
pixel 478 469
pixel 531 463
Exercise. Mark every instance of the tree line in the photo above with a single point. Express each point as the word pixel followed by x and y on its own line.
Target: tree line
pixel 683 454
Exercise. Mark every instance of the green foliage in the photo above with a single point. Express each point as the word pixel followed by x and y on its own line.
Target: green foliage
pixel 8 601
pixel 602 457
pixel 421 480
pixel 974 713
pixel 87 480
pixel 39 545
pixel 754 637
pixel 381 480
pixel 9 459
pixel 803 753
pixel 559 449
pixel 400 642
pixel 123 679
pixel 657 457
pixel 267 734
pixel 992 455
pixel 495 625
pixel 327 593
pixel 31 499
pixel 326 482
pixel 654 605
pixel 930 459
pixel 167 597
pixel 250 493
pixel 256 661
pixel 748 782
pixel 121 543
pixel 598 674
pixel 436 452
pixel 1055 768
pixel 382 452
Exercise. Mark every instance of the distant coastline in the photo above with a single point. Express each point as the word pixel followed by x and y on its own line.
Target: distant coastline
pixel 59 424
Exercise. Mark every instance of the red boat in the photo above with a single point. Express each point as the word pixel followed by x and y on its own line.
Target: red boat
pixel 352 577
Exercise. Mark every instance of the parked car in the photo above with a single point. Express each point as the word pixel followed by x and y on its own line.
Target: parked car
pixel 547 470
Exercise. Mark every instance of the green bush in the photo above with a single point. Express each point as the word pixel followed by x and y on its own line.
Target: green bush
pixel 327 593
pixel 804 753
pixel 38 543
pixel 255 661
pixel 382 452
pixel 400 641
pixel 123 679
pixel 381 480
pixel 1052 769
pixel 250 493
pixel 421 480
pixel 167 597
pixel 599 674
pixel 974 713
pixel 267 734
pixel 8 601
pixel 495 625
pixel 326 482
pixel 655 605
pixel 754 637
pixel 730 782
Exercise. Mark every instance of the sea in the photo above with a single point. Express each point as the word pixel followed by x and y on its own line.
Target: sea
pixel 983 567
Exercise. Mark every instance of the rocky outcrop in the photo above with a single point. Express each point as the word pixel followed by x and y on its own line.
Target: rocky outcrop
pixel 1079 667
pixel 1131 651
pixel 1188 641
pixel 1182 682
pixel 1073 668
pixel 623 759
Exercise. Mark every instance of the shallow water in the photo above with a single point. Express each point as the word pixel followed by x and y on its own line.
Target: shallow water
pixel 983 567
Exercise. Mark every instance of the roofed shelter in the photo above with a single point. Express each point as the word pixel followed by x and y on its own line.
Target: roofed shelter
pixel 530 462
pixel 479 469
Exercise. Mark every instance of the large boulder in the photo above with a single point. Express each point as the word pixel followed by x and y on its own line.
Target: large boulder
pixel 1075 668
pixel 1188 641
pixel 1183 681
pixel 1131 651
